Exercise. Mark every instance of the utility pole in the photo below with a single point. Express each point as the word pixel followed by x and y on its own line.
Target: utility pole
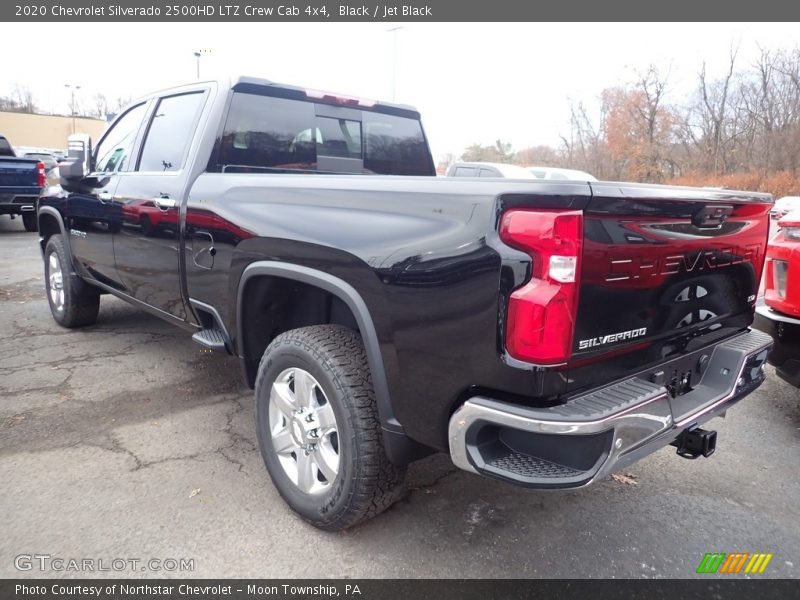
pixel 394 31
pixel 197 55
pixel 72 88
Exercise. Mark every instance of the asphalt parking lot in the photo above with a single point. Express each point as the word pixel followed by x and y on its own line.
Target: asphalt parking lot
pixel 126 440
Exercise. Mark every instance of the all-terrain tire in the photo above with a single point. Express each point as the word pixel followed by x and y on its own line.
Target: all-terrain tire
pixel 80 302
pixel 367 483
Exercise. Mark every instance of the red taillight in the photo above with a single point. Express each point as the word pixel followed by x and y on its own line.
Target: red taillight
pixel 541 313
pixel 41 180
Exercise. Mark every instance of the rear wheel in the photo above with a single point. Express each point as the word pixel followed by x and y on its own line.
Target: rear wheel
pixel 318 428
pixel 29 221
pixel 73 302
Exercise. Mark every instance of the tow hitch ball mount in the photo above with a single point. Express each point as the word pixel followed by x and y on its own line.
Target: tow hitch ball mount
pixel 694 442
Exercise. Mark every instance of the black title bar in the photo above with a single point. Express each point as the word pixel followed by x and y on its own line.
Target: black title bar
pixel 732 588
pixel 402 10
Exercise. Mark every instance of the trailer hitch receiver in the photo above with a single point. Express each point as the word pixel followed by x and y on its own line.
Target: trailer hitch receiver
pixel 694 442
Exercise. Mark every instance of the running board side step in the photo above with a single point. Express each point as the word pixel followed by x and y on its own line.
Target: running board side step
pixel 212 334
pixel 213 339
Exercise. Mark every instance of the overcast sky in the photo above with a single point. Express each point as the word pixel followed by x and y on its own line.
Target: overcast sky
pixel 472 82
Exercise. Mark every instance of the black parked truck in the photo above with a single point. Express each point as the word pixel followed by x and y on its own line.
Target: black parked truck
pixel 544 333
pixel 21 182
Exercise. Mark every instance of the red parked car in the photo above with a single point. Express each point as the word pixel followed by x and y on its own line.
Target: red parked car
pixel 782 290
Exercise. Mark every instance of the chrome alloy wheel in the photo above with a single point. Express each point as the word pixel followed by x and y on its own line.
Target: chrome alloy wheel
pixel 55 281
pixel 303 429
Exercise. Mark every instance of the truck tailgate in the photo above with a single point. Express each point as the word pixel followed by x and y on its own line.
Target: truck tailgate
pixel 18 175
pixel 664 271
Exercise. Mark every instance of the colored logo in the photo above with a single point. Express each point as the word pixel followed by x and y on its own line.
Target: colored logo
pixel 738 562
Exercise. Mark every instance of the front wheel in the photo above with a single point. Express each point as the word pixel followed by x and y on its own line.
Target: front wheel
pixel 73 302
pixel 318 428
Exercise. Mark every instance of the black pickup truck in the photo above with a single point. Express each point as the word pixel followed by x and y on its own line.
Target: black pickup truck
pixel 544 333
pixel 21 181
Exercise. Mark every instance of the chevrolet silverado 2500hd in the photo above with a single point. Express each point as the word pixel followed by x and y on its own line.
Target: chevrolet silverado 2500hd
pixel 21 181
pixel 544 333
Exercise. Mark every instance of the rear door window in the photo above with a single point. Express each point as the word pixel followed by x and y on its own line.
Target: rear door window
pixel 489 173
pixel 171 130
pixel 264 133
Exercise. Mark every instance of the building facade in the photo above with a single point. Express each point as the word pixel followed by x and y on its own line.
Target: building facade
pixel 47 131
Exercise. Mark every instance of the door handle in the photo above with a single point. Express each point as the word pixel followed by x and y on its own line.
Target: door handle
pixel 104 196
pixel 165 202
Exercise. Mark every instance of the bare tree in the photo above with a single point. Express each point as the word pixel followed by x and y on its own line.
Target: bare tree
pixel 586 147
pixel 499 152
pixel 100 109
pixel 538 155
pixel 705 130
pixel 741 129
pixel 24 99
pixel 121 102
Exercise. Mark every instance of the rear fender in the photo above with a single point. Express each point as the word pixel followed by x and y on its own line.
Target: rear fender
pixel 400 448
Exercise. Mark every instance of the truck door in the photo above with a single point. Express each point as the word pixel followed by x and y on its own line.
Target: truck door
pixel 92 216
pixel 147 246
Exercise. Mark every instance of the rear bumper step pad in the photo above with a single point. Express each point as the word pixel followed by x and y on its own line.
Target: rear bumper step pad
pixel 589 437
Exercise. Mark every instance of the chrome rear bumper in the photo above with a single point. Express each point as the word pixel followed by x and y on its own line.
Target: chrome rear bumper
pixel 589 437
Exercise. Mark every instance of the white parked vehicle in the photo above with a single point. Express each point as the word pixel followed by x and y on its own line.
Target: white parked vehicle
pixel 488 169
pixel 783 206
pixel 562 174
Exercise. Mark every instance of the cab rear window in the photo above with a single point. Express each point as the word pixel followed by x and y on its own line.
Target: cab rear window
pixel 274 134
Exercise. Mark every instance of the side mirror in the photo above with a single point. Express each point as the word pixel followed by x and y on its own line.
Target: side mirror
pixel 77 165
